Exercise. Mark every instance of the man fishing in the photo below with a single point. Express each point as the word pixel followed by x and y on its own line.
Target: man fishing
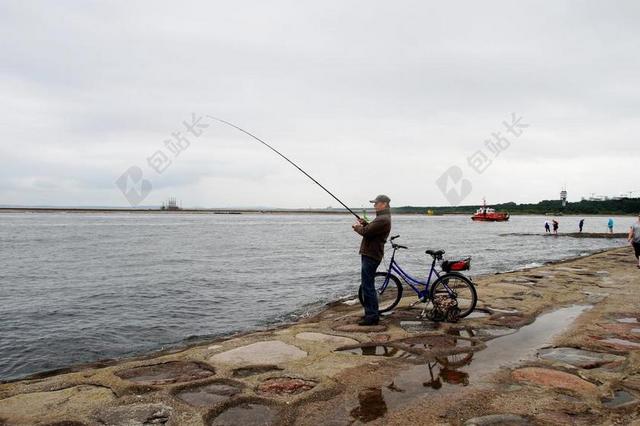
pixel 374 235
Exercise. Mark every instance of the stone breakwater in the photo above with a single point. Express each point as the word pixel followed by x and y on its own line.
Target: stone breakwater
pixel 558 344
pixel 606 235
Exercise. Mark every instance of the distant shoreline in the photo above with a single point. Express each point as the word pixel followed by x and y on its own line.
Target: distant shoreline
pixel 254 211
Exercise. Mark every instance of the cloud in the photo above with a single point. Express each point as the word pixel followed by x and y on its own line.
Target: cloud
pixel 368 97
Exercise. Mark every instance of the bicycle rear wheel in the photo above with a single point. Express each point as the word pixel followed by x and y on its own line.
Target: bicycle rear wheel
pixel 458 287
pixel 388 297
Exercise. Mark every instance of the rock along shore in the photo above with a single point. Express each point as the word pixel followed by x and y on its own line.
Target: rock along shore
pixel 554 345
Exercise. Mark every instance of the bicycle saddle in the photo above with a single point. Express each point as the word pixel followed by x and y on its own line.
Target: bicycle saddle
pixel 435 253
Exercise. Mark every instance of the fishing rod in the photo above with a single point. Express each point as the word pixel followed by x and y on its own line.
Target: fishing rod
pixel 291 162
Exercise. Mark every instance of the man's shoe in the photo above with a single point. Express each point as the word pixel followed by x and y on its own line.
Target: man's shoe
pixel 368 321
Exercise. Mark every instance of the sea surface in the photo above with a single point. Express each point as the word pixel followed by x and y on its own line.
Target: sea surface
pixel 77 287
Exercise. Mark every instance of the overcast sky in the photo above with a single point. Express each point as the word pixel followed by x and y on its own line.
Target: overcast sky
pixel 368 97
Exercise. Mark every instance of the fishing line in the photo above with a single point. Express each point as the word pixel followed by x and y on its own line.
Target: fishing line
pixel 291 162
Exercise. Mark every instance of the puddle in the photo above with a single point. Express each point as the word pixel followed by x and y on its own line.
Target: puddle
pixel 419 326
pixel 371 405
pixel 208 395
pixel 492 333
pixel 452 372
pixel 379 350
pixel 522 344
pixel 168 372
pixel 246 414
pixel 285 385
pixel 252 371
pixel 477 314
pixel 505 311
pixel 620 398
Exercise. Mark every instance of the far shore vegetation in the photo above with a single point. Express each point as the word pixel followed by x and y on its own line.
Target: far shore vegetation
pixel 623 206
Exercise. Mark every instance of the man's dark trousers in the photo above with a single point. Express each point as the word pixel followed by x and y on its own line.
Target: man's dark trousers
pixel 369 267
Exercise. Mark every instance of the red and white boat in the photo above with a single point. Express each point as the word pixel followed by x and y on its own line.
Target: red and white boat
pixel 487 214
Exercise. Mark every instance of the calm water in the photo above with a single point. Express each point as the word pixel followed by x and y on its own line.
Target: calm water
pixel 82 287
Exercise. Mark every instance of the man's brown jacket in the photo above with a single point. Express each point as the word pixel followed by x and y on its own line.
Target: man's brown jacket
pixel 375 234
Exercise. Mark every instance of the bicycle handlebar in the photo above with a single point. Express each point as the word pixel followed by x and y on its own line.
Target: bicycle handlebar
pixel 397 246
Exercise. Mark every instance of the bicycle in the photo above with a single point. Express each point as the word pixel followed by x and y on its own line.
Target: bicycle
pixel 449 281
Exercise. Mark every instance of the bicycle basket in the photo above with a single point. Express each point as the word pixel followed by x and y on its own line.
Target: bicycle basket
pixel 456 265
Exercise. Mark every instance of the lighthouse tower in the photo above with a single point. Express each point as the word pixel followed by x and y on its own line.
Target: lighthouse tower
pixel 563 197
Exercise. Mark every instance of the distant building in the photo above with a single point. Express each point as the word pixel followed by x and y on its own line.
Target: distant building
pixel 563 197
pixel 170 204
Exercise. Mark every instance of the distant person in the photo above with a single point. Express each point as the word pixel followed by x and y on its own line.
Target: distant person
pixel 374 235
pixel 581 224
pixel 547 228
pixel 610 225
pixel 634 238
pixel 555 226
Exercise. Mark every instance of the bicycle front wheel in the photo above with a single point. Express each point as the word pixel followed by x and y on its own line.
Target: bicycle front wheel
pixel 458 287
pixel 389 296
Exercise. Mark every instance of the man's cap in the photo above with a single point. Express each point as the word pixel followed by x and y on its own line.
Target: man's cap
pixel 382 198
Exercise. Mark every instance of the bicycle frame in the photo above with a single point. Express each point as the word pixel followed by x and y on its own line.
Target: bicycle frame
pixel 411 281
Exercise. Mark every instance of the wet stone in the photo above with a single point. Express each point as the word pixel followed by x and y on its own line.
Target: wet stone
pixel 253 370
pixel 617 328
pixel 135 414
pixel 378 350
pixel 28 408
pixel 246 414
pixel 621 398
pixel 555 379
pixel 621 344
pixel 578 357
pixel 511 321
pixel 285 385
pixel 497 420
pixel 593 298
pixel 355 328
pixel 168 372
pixel 429 342
pixel 208 395
pixel 632 382
pixel 477 314
pixel 380 338
pixel 419 326
pixel 326 338
pixel 269 352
